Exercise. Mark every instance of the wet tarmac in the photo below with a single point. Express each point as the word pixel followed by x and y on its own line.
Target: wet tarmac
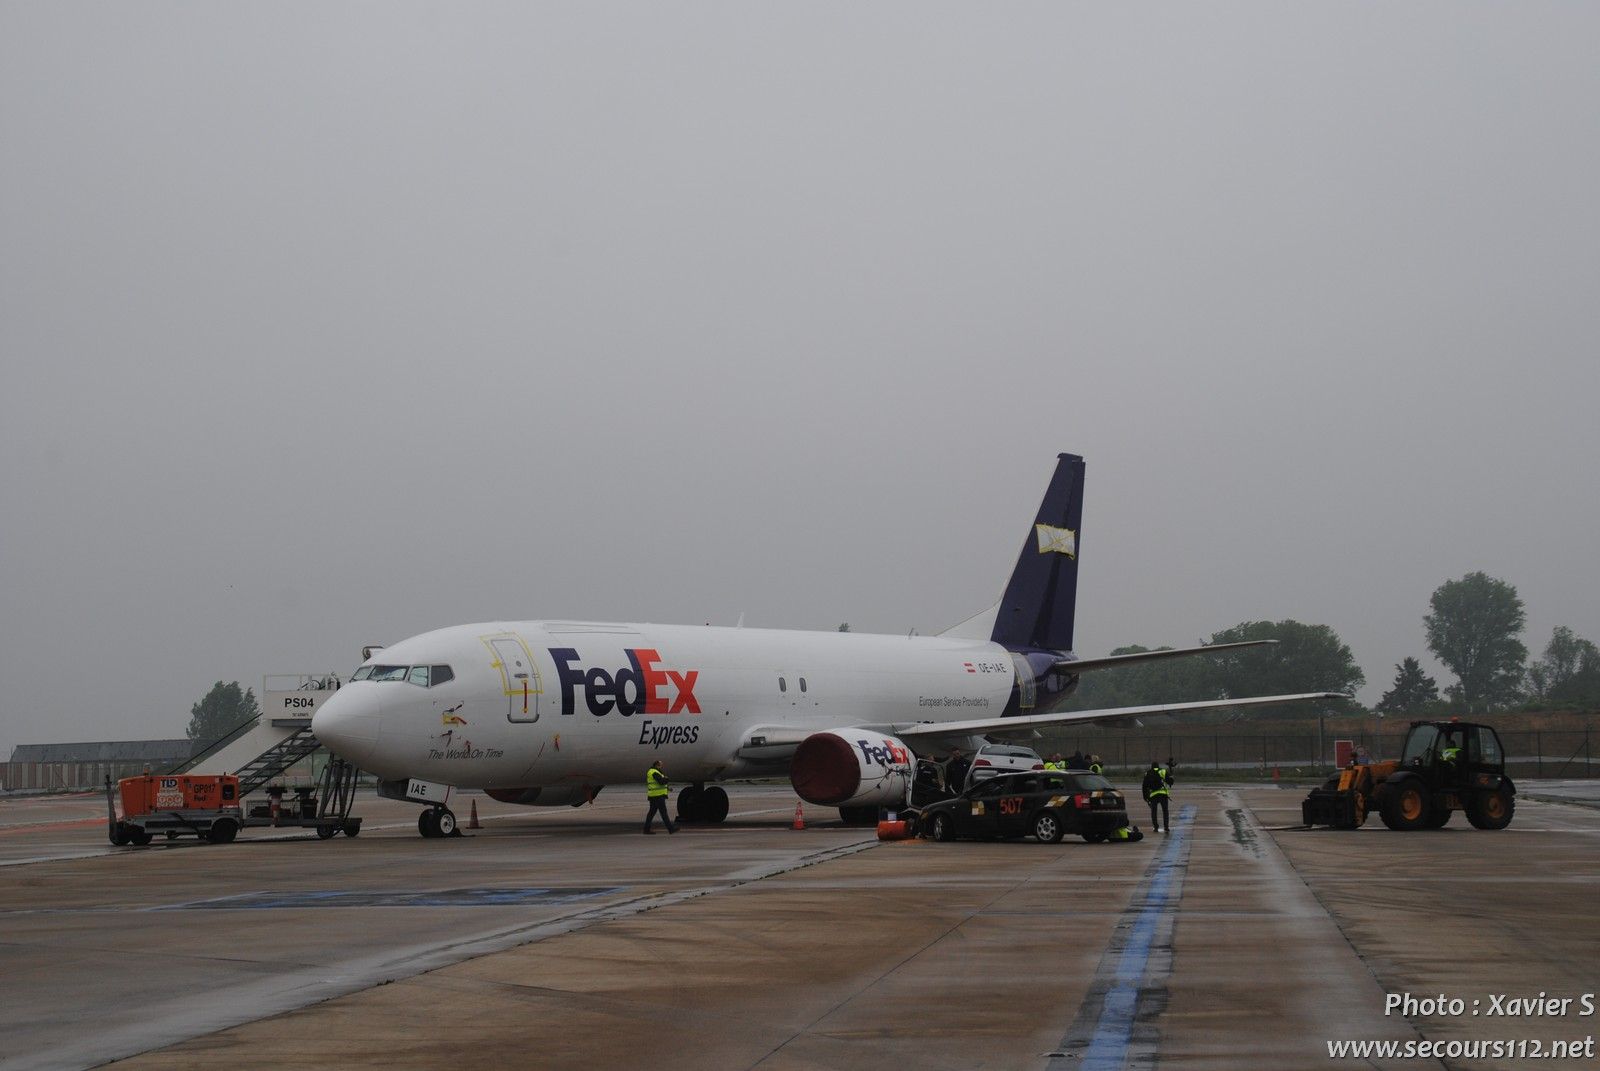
pixel 562 938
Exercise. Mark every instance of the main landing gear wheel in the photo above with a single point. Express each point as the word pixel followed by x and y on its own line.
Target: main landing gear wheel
pixel 713 805
pixel 437 822
pixel 702 803
pixel 689 803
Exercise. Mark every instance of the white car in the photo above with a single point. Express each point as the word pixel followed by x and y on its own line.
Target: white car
pixel 992 759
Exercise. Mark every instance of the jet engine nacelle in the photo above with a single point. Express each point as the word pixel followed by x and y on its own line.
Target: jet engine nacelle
pixel 565 795
pixel 852 768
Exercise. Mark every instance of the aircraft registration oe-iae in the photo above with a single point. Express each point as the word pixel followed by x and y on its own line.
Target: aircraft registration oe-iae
pixel 548 713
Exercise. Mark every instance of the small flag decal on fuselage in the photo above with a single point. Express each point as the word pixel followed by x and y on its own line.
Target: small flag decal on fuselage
pixel 970 667
pixel 1057 540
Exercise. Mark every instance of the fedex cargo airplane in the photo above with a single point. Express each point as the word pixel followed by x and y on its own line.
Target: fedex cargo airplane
pixel 548 713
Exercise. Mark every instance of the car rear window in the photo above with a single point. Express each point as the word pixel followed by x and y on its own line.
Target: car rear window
pixel 1011 752
pixel 1089 782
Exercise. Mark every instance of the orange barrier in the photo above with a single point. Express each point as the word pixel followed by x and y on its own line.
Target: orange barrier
pixel 799 816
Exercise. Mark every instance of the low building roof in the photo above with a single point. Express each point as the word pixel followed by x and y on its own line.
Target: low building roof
pixel 151 751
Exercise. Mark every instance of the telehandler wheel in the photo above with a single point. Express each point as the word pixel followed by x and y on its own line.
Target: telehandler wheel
pixel 1491 810
pixel 1358 810
pixel 1438 816
pixel 1404 806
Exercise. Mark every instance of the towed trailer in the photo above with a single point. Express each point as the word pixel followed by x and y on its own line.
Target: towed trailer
pixel 203 806
pixel 210 807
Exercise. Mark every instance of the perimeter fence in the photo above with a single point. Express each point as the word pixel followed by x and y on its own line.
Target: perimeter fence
pixel 1233 752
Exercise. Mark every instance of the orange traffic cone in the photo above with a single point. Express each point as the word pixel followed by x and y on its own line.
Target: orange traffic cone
pixel 799 816
pixel 472 823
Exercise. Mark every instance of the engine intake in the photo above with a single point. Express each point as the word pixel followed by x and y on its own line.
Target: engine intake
pixel 852 768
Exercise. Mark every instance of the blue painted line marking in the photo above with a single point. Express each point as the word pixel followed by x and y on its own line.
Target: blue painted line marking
pixel 1108 1046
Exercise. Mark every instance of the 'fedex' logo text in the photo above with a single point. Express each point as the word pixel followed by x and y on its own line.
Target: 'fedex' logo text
pixel 885 754
pixel 637 688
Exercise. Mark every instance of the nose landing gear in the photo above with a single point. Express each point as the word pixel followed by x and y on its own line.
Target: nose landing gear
pixel 438 822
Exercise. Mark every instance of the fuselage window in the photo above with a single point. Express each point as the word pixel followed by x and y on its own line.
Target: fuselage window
pixel 442 674
pixel 390 673
pixel 418 675
pixel 802 684
pixel 361 674
pixel 783 685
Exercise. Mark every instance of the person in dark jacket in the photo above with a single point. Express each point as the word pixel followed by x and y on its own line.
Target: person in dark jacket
pixel 955 771
pixel 1157 789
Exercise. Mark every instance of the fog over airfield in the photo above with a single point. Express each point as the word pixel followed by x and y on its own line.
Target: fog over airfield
pixel 327 324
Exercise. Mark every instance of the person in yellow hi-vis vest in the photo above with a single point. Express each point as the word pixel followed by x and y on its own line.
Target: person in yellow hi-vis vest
pixel 655 786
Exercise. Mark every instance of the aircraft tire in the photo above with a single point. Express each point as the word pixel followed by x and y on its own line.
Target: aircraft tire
pixel 446 822
pixel 689 804
pixel 713 805
pixel 428 823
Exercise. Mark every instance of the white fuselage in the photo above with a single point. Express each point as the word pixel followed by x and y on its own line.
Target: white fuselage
pixel 559 704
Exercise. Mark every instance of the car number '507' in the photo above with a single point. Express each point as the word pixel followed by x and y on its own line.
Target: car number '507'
pixel 1011 805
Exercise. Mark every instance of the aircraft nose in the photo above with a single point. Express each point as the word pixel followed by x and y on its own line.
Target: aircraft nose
pixel 347 724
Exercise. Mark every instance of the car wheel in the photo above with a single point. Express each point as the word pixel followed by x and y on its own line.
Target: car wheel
pixel 1047 827
pixel 943 829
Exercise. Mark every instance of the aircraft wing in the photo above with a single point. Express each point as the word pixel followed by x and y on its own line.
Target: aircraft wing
pixel 1083 665
pixel 981 726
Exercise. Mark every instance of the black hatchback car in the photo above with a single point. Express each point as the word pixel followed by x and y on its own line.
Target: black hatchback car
pixel 1046 805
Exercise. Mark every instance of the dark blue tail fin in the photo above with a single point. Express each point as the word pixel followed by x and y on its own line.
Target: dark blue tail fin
pixel 1037 608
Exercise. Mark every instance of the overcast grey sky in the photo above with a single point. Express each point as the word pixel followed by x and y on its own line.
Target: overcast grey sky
pixel 327 324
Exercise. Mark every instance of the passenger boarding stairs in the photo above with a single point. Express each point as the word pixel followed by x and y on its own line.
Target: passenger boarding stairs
pixel 276 759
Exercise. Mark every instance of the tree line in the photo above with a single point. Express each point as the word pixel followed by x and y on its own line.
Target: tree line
pixel 1473 626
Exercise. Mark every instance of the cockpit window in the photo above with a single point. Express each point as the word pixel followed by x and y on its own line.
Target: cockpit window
pixel 361 674
pixel 389 673
pixel 442 674
pixel 418 675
